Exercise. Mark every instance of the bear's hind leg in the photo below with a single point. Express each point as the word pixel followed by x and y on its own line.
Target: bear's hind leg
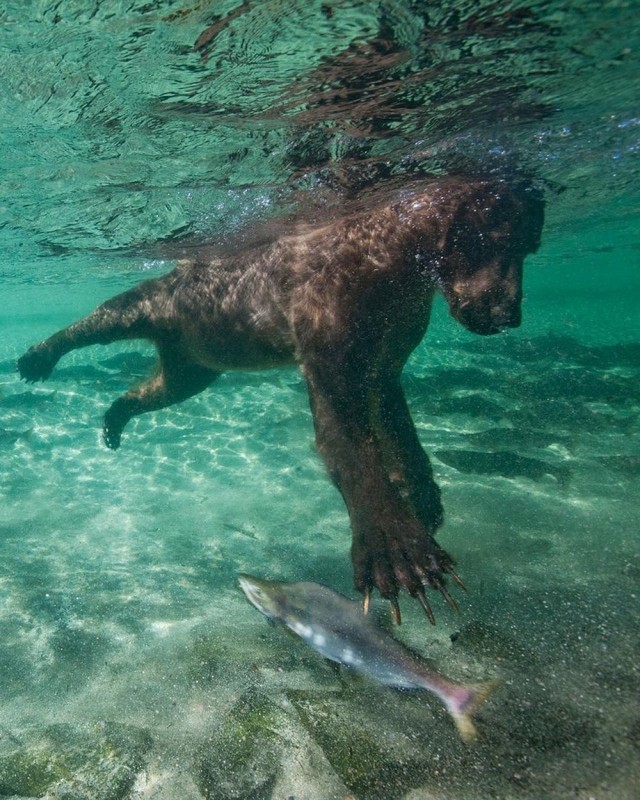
pixel 38 362
pixel 126 316
pixel 176 380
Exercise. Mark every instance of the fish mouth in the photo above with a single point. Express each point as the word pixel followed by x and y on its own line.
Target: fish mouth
pixel 249 586
pixel 258 592
pixel 246 581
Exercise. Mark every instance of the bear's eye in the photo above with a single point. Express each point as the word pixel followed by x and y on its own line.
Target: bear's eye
pixel 482 243
pixel 498 237
pixel 488 241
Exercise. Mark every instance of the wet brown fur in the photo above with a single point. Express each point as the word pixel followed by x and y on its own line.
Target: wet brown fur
pixel 347 300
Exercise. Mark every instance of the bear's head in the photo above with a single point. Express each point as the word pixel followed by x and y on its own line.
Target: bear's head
pixel 480 262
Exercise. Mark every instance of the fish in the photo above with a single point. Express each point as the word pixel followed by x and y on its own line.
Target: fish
pixel 339 629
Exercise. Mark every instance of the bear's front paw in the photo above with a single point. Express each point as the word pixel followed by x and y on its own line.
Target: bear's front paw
pixel 36 364
pixel 407 557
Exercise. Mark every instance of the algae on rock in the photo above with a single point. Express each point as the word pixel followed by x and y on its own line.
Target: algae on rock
pixel 373 764
pixel 88 762
pixel 242 758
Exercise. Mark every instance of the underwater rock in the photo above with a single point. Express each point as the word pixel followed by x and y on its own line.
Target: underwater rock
pixel 134 364
pixel 504 463
pixel 442 381
pixel 241 760
pixel 472 405
pixel 570 417
pixel 23 400
pixel 68 762
pixel 501 438
pixel 629 466
pixel 374 761
pixel 8 437
pixel 633 733
pixel 83 373
pixel 261 750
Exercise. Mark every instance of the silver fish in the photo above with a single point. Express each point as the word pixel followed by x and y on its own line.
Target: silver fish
pixel 338 629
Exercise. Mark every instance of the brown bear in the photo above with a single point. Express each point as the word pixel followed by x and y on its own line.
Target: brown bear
pixel 347 300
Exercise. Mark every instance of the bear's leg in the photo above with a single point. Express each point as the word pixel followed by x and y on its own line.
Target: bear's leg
pixel 393 545
pixel 177 380
pixel 126 316
pixel 407 463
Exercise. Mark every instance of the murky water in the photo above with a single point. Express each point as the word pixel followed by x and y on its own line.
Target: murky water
pixel 131 665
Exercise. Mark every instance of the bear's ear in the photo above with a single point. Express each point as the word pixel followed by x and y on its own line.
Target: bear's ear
pixel 522 204
pixel 487 206
pixel 533 201
pixel 463 216
pixel 454 205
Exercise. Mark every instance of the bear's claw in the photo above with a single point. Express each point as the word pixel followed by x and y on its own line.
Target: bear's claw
pixel 409 562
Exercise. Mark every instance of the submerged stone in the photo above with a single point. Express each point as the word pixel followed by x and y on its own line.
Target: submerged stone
pixel 365 745
pixel 503 463
pixel 88 762
pixel 241 760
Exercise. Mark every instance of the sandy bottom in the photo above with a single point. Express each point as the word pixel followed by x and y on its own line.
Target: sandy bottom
pixel 132 666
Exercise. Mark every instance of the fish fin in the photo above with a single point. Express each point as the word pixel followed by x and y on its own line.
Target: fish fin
pixel 464 703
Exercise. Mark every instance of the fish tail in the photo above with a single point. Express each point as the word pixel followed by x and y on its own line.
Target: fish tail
pixel 463 700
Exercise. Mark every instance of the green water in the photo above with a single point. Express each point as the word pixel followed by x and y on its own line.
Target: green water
pixel 131 666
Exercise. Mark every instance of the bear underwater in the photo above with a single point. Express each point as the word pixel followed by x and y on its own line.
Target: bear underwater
pixel 347 299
